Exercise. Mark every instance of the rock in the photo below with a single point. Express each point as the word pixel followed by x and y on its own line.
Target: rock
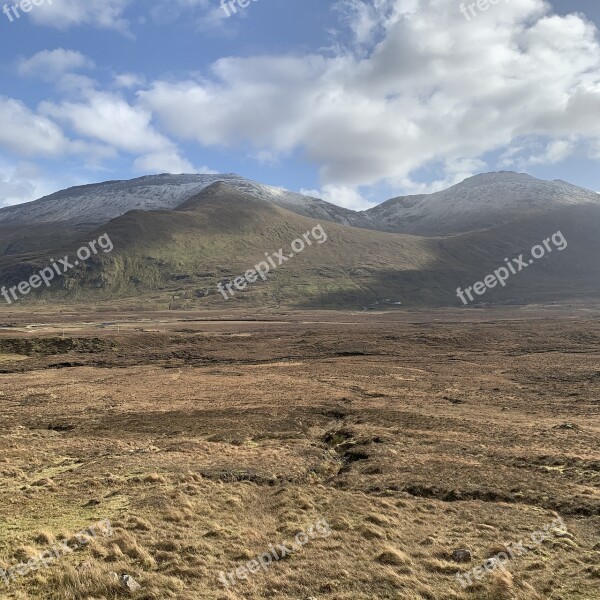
pixel 127 581
pixel 454 400
pixel 493 563
pixel 461 555
pixel 566 426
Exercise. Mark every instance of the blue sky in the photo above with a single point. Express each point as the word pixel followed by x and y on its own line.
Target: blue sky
pixel 352 100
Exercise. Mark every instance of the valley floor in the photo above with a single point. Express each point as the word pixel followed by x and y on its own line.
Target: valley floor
pixel 207 442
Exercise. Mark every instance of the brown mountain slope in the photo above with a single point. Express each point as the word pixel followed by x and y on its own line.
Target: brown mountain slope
pixel 178 257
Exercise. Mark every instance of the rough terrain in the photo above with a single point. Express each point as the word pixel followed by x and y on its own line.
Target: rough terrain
pixel 204 438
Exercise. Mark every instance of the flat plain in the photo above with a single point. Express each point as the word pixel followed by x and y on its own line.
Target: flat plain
pixel 206 437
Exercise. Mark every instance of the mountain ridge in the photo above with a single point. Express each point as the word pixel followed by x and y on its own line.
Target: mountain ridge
pixel 478 202
pixel 97 203
pixel 175 258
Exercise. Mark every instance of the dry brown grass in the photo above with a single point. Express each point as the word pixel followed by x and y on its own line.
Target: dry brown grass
pixel 200 473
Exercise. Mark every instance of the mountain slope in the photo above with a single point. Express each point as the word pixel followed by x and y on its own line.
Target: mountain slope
pixel 479 202
pixel 98 203
pixel 218 235
pixel 176 258
pixel 22 239
pixel 463 260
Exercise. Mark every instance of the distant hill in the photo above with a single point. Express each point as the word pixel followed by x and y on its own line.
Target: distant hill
pixel 177 257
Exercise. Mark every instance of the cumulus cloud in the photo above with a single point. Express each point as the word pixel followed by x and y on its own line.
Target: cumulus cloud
pixel 525 153
pixel 14 188
pixel 416 86
pixel 29 134
pixel 207 15
pixel 26 133
pixel 129 80
pixel 63 14
pixel 24 182
pixel 50 64
pixel 102 125
pixel 168 161
pixel 555 152
pixel 361 17
pixel 426 86
pixel 110 119
pixel 340 195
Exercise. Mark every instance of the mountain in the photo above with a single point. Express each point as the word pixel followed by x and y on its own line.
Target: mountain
pixel 98 203
pixel 215 236
pixel 176 258
pixel 480 202
pixel 477 203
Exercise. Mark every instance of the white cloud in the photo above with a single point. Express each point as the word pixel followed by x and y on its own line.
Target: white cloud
pixel 74 84
pixel 361 17
pixel 206 15
pixel 129 80
pixel 103 125
pixel 555 152
pixel 109 122
pixel 110 119
pixel 340 195
pixel 417 86
pixel 24 182
pixel 527 152
pixel 27 134
pixel 50 64
pixel 426 86
pixel 168 161
pixel 63 14
pixel 14 187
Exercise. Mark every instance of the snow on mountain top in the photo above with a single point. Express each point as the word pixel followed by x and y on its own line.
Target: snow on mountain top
pixel 98 203
pixel 476 203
